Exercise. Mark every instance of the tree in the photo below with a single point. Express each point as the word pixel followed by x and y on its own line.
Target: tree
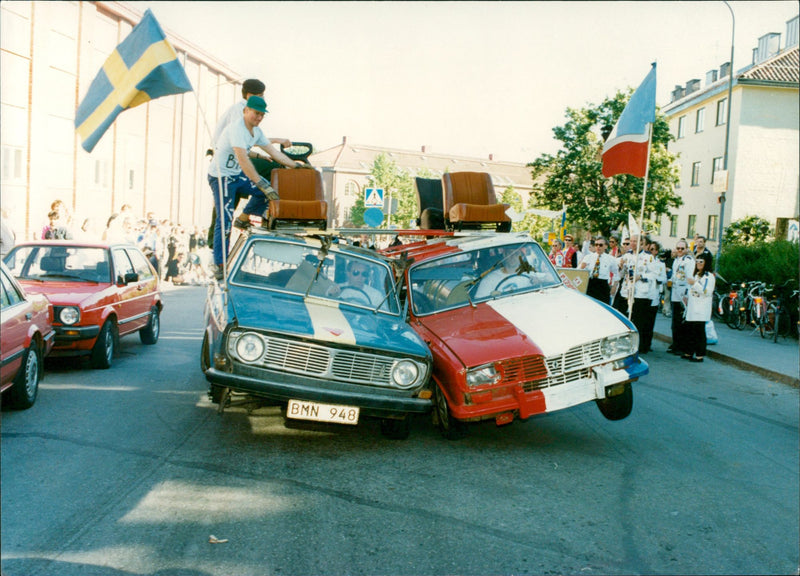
pixel 747 230
pixel 573 177
pixel 397 184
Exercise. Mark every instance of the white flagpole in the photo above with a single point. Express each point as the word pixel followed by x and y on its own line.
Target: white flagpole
pixel 641 218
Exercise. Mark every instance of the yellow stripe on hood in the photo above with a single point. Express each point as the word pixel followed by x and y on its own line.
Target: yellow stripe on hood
pixel 330 324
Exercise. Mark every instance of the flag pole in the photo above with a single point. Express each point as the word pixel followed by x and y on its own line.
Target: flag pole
pixel 641 216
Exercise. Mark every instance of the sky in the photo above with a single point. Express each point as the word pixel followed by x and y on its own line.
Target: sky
pixel 461 78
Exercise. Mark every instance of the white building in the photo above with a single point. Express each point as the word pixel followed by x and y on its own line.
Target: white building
pixel 152 158
pixel 764 144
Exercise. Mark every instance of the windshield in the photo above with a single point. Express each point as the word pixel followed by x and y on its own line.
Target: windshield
pixel 466 278
pixel 59 263
pixel 309 270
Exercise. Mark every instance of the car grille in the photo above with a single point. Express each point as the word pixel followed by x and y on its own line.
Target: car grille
pixel 331 363
pixel 573 365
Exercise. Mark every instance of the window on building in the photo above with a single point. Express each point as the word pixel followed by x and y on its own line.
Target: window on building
pixel 696 174
pixel 716 166
pixel 131 174
pixel 722 106
pixel 12 164
pixel 700 122
pixel 682 127
pixel 352 188
pixel 673 226
pixel 691 229
pixel 711 234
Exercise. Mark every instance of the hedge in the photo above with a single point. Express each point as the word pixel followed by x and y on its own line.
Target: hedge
pixel 770 262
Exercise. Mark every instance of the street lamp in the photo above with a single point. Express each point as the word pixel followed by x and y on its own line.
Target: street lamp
pixel 727 137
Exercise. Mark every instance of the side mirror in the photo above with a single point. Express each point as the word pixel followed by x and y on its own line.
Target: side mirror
pixel 131 277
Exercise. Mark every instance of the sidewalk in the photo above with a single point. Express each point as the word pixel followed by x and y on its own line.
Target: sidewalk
pixel 777 361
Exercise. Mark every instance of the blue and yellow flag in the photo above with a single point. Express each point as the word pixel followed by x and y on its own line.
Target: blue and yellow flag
pixel 144 67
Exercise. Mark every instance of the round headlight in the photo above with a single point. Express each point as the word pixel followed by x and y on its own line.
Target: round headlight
pixel 250 347
pixel 69 315
pixel 405 373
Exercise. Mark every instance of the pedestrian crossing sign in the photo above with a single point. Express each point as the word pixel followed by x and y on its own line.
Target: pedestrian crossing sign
pixel 373 197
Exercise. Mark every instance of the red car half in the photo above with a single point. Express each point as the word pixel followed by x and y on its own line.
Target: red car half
pixel 508 339
pixel 99 292
pixel 26 337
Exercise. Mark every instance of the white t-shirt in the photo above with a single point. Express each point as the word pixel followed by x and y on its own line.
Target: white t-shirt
pixel 235 112
pixel 235 135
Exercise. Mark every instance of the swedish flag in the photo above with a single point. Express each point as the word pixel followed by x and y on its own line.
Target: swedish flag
pixel 144 67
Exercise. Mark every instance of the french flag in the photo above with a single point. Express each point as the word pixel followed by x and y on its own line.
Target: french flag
pixel 627 147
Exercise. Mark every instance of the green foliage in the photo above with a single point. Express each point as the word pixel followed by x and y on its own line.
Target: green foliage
pixel 357 212
pixel 574 175
pixel 770 262
pixel 749 230
pixel 397 184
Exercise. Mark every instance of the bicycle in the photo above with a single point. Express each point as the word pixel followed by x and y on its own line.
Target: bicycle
pixel 755 305
pixel 719 310
pixel 778 320
pixel 735 312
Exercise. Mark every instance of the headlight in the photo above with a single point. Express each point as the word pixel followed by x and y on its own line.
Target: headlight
pixel 69 315
pixel 405 373
pixel 482 375
pixel 621 345
pixel 250 347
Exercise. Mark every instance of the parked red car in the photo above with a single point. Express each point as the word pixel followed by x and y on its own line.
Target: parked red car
pixel 99 292
pixel 26 337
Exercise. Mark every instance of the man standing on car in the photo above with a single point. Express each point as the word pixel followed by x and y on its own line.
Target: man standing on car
pixel 232 172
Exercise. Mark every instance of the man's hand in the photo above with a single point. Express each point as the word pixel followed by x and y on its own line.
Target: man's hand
pixel 269 191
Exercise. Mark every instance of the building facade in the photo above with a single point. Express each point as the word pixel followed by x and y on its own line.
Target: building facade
pixel 764 143
pixel 346 169
pixel 153 156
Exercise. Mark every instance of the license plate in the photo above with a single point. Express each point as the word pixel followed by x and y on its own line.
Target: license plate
pixel 335 413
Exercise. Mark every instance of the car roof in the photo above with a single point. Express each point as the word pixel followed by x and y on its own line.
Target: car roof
pixel 431 248
pixel 75 244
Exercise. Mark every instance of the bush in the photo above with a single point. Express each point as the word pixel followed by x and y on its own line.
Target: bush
pixel 770 262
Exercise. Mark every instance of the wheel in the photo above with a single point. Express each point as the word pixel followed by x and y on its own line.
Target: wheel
pixel 767 325
pixel 103 351
pixel 617 407
pixel 450 428
pixel 357 295
pixel 716 306
pixel 782 323
pixel 23 392
pixel 396 428
pixel 149 334
pixel 731 312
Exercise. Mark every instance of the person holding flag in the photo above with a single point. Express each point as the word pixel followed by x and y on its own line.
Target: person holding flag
pixel 231 175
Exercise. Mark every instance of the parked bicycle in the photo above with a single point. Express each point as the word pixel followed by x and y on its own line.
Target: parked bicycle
pixel 735 311
pixel 778 318
pixel 756 306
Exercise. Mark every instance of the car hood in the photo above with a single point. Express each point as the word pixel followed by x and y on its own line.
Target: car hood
pixel 323 320
pixel 547 322
pixel 66 293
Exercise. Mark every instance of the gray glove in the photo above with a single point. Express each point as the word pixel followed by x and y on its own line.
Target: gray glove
pixel 269 191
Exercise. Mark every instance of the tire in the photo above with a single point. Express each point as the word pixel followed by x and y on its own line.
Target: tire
pixel 782 324
pixel 23 392
pixel 767 325
pixel 450 428
pixel 716 313
pixel 149 334
pixel 105 346
pixel 732 319
pixel 396 428
pixel 617 407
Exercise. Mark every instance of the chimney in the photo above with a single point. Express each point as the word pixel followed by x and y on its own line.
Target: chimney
pixel 725 69
pixel 491 157
pixel 424 148
pixel 768 46
pixel 711 77
pixel 344 139
pixel 692 85
pixel 792 32
pixel 677 93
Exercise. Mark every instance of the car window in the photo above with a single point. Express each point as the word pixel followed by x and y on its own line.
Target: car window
pixel 58 263
pixel 10 294
pixel 465 278
pixel 122 264
pixel 307 270
pixel 140 264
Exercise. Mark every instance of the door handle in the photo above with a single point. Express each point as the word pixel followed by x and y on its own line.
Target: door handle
pixel 28 316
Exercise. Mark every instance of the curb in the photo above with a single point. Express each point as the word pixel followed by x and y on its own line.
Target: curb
pixel 760 370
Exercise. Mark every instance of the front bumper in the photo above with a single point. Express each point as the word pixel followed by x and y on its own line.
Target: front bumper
pixel 284 387
pixel 74 340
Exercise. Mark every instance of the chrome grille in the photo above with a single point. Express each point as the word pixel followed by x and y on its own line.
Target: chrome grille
pixel 310 359
pixel 573 365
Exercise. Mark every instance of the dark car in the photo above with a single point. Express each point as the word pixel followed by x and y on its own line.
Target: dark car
pixel 26 337
pixel 317 327
pixel 99 292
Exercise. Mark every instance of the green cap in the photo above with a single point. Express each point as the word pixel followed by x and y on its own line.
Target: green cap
pixel 257 103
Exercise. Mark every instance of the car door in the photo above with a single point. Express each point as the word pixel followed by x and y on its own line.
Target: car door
pixel 128 303
pixel 146 286
pixel 15 315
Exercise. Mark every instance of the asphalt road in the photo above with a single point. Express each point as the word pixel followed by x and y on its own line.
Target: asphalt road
pixel 129 471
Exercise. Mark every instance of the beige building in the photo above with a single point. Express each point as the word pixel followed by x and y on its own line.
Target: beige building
pixel 346 168
pixel 152 158
pixel 764 145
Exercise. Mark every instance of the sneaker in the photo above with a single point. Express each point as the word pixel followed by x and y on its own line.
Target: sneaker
pixel 242 224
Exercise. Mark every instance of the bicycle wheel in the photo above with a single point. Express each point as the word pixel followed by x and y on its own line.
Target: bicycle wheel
pixel 716 306
pixel 783 323
pixel 768 321
pixel 733 317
